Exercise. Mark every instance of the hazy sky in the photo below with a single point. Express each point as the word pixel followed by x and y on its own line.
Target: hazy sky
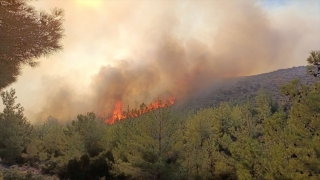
pixel 231 38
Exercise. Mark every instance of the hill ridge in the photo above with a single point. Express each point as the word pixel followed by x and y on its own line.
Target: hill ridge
pixel 239 89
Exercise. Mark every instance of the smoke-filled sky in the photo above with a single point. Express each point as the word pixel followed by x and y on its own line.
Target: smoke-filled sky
pixel 137 51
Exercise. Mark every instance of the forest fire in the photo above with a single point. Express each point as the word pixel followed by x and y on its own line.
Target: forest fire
pixel 118 114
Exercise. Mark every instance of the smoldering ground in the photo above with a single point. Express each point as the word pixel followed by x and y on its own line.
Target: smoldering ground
pixel 172 48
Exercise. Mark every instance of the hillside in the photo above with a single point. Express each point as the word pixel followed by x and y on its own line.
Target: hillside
pixel 235 141
pixel 242 88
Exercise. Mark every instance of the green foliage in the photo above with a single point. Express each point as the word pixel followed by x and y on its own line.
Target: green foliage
pixel 265 105
pixel 25 35
pixel 304 128
pixel 91 131
pixel 256 139
pixel 198 137
pixel 15 130
pixel 246 149
pixel 146 147
pixel 276 141
pixel 204 154
pixel 252 140
pixel 314 63
pixel 14 174
pixel 96 161
pixel 73 151
pixel 53 146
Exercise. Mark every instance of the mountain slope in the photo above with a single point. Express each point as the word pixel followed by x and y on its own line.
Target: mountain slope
pixel 240 89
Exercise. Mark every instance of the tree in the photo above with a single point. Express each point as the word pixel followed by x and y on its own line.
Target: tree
pixel 314 63
pixel 304 128
pixel 53 146
pixel 204 150
pixel 91 130
pixel 200 149
pixel 15 130
pixel 147 150
pixel 25 35
pixel 247 148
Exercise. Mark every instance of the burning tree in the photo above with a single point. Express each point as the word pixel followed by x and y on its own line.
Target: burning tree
pixel 118 114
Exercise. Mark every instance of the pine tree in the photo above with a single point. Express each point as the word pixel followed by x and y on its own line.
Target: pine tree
pixel 53 146
pixel 25 35
pixel 91 130
pixel 205 151
pixel 247 148
pixel 314 63
pixel 146 150
pixel 277 142
pixel 198 146
pixel 15 130
pixel 304 128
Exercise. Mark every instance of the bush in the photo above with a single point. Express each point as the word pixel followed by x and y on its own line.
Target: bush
pixel 14 174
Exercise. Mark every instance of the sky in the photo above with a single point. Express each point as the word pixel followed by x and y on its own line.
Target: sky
pixel 160 44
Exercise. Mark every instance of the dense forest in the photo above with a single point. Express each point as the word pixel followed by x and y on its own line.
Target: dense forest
pixel 259 139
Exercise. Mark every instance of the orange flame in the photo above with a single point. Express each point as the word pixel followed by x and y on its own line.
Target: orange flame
pixel 118 115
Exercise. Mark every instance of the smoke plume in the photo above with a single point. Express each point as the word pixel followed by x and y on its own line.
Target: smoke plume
pixel 163 49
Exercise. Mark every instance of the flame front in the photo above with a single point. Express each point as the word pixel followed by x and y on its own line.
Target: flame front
pixel 119 115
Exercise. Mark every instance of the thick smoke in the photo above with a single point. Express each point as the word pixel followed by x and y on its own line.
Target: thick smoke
pixel 175 49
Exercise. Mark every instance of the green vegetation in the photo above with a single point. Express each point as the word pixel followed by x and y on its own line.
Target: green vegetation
pixel 14 174
pixel 314 63
pixel 259 139
pixel 262 136
pixel 15 130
